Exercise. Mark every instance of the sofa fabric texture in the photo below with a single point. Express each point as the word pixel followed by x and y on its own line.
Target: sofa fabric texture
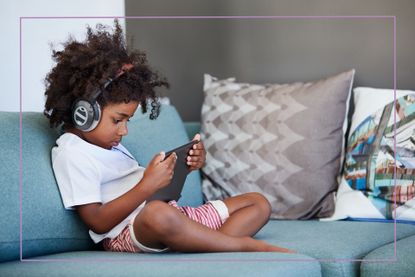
pixel 402 264
pixel 154 265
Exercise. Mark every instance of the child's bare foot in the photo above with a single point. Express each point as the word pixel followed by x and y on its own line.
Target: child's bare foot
pixel 273 248
pixel 262 246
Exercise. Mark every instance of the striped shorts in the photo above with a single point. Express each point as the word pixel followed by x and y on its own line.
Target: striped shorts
pixel 213 214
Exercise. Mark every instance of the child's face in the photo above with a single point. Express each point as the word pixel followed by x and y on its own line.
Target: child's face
pixel 113 125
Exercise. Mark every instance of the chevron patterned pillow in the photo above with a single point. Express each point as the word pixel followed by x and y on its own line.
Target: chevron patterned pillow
pixel 283 140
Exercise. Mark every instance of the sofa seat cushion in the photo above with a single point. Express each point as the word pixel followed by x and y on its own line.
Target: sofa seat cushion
pixel 100 263
pixel 401 265
pixel 334 243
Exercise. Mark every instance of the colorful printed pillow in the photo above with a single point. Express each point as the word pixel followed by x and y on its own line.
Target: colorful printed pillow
pixel 372 179
pixel 284 141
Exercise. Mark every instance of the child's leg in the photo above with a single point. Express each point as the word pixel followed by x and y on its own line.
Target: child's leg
pixel 248 213
pixel 159 225
pixel 211 214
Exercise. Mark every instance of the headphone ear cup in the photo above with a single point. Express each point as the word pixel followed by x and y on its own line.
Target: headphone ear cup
pixel 86 116
pixel 97 116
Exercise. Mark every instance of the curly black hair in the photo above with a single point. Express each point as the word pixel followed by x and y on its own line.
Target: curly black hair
pixel 84 67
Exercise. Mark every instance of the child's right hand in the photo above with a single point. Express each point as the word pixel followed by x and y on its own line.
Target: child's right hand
pixel 159 171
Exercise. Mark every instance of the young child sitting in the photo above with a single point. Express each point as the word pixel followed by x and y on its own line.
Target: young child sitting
pixel 94 89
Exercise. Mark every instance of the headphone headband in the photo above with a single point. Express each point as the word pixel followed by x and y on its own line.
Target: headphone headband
pixel 124 68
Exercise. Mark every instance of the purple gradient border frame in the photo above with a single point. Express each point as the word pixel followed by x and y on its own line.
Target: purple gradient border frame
pixel 390 260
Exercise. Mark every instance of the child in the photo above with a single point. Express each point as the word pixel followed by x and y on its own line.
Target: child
pixel 92 92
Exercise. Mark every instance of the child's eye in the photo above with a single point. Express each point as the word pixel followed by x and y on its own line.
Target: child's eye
pixel 116 121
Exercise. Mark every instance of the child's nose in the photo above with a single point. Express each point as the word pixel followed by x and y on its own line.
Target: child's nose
pixel 123 129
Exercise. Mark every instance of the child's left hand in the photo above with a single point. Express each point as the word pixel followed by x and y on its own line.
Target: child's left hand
pixel 197 155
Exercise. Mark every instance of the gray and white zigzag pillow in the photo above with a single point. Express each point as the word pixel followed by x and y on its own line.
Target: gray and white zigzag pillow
pixel 283 140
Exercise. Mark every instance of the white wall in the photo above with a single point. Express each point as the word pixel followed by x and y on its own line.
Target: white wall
pixel 37 35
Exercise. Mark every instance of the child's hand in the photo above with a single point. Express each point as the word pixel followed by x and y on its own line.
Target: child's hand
pixel 159 172
pixel 197 155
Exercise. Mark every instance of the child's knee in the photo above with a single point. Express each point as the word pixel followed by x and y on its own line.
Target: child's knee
pixel 160 218
pixel 262 203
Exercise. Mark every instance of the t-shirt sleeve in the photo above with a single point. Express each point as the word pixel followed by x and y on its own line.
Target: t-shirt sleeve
pixel 78 179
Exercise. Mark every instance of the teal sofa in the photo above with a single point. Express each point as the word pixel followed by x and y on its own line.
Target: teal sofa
pixel 38 237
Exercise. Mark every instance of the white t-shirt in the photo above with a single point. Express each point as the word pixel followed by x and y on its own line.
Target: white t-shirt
pixel 87 173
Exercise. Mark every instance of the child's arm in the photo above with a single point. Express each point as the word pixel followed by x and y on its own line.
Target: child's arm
pixel 197 155
pixel 101 218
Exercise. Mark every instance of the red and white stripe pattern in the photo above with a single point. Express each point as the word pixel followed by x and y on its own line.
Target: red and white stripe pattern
pixel 205 214
pixel 121 243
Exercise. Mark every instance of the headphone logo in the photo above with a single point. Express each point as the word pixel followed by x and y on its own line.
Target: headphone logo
pixel 80 116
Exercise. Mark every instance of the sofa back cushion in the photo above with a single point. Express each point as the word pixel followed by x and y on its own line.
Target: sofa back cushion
pixel 46 226
pixel 9 186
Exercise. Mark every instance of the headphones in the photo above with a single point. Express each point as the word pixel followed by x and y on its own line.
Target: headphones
pixel 86 114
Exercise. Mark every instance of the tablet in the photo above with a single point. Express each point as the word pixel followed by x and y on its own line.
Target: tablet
pixel 181 169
